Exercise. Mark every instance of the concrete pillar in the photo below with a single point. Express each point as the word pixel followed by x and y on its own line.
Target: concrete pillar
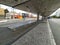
pixel 37 16
pixel 44 18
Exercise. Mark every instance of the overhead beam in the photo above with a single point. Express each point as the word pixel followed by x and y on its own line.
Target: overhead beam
pixel 20 3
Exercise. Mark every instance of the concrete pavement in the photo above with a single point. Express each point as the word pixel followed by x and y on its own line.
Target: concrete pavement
pixel 55 27
pixel 40 35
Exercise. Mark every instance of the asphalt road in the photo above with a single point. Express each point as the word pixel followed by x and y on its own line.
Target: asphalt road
pixel 6 35
pixel 55 27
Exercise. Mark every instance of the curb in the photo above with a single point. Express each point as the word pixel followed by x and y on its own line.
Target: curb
pixel 51 35
pixel 19 36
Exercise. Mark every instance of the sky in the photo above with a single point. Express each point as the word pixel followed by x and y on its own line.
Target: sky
pixel 12 9
pixel 57 12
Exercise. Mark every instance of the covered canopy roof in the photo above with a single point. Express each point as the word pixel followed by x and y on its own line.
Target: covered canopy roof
pixel 44 7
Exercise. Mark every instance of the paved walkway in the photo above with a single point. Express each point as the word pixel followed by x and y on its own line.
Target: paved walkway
pixel 39 35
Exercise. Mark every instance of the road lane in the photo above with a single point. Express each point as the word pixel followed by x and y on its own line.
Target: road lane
pixel 55 26
pixel 7 36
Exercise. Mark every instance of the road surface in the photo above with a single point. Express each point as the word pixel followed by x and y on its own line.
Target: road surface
pixel 6 35
pixel 55 26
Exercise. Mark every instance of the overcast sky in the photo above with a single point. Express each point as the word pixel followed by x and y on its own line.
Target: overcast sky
pixel 11 9
pixel 57 12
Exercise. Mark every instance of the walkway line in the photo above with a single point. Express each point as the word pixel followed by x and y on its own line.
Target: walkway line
pixel 51 34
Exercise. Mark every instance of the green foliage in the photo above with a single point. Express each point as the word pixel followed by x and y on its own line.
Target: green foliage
pixel 58 17
pixel 6 11
pixel 55 16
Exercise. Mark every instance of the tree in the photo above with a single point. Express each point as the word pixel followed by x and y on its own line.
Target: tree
pixel 6 11
pixel 58 16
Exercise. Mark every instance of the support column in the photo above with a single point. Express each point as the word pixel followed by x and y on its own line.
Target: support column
pixel 44 18
pixel 37 16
